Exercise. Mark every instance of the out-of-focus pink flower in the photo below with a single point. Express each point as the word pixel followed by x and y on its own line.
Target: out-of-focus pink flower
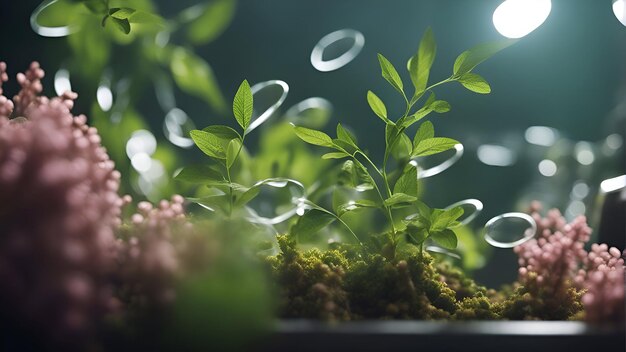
pixel 59 209
pixel 556 261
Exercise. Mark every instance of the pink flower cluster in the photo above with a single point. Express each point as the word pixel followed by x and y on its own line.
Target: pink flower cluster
pixel 556 261
pixel 148 256
pixel 59 208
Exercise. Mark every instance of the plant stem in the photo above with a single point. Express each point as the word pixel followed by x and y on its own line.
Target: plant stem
pixel 384 177
pixel 317 207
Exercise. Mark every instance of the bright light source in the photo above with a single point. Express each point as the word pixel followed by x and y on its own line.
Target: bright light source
pixel 541 135
pixel 495 155
pixel 619 9
pixel 517 18
pixel 547 167
pixel 104 96
pixel 613 184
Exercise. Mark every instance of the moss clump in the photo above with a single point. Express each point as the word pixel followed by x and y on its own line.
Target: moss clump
pixel 534 303
pixel 347 283
pixel 310 283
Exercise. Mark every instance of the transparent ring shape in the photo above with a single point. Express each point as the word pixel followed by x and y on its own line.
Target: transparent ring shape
pixel 474 205
pixel 439 168
pixel 257 121
pixel 267 208
pixel 176 127
pixel 45 31
pixel 312 112
pixel 330 65
pixel 440 250
pixel 520 226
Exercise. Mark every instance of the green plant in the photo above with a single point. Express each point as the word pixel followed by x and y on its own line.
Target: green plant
pixel 125 48
pixel 398 188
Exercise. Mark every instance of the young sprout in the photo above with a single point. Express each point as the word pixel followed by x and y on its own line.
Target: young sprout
pixel 398 188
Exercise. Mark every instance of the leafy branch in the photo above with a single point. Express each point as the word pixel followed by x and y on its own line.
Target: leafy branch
pixel 431 223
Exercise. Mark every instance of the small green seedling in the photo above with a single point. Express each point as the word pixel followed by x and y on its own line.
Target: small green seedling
pixel 398 188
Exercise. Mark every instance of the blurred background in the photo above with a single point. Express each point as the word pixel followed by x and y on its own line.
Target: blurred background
pixel 552 129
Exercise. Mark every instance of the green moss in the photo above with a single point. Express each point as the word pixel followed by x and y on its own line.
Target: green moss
pixel 532 303
pixel 349 283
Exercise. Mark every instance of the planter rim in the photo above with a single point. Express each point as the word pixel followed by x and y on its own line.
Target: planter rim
pixel 416 327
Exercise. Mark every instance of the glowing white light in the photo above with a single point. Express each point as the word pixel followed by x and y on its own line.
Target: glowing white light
pixel 517 18
pixel 62 82
pixel 584 154
pixel 575 208
pixel 613 184
pixel 495 155
pixel 614 141
pixel 580 190
pixel 541 135
pixel 141 141
pixel 104 97
pixel 547 167
pixel 141 162
pixel 619 9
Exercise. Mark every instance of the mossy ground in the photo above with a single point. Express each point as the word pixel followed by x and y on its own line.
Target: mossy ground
pixel 345 283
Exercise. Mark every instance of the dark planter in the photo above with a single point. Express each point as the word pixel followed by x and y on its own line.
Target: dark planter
pixel 501 336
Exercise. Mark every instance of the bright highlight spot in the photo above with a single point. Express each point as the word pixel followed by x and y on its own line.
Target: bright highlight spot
pixel 141 162
pixel 547 167
pixel 105 98
pixel 517 18
pixel 541 135
pixel 495 155
pixel 62 82
pixel 141 141
pixel 580 190
pixel 619 9
pixel 584 154
pixel 613 184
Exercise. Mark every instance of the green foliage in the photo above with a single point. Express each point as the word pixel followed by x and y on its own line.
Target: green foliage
pixel 401 151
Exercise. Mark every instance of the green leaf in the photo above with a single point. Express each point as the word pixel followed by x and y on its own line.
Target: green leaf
pixel 247 196
pixel 210 144
pixel 407 182
pixel 242 105
pixel 420 64
pixel 146 18
pixel 354 205
pixel 416 235
pixel 194 76
pixel 390 74
pixel 218 202
pixel 121 13
pixel 444 219
pixel 402 147
pixel 377 106
pixel 225 133
pixel 433 146
pixel 459 60
pixel 231 152
pixel 313 137
pixel 475 83
pixel 424 210
pixel 215 18
pixel 440 106
pixel 399 198
pixel 344 146
pixel 199 174
pixel 425 131
pixel 469 59
pixel 345 135
pixel 335 155
pixel 122 24
pixel 446 238
pixel 310 223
